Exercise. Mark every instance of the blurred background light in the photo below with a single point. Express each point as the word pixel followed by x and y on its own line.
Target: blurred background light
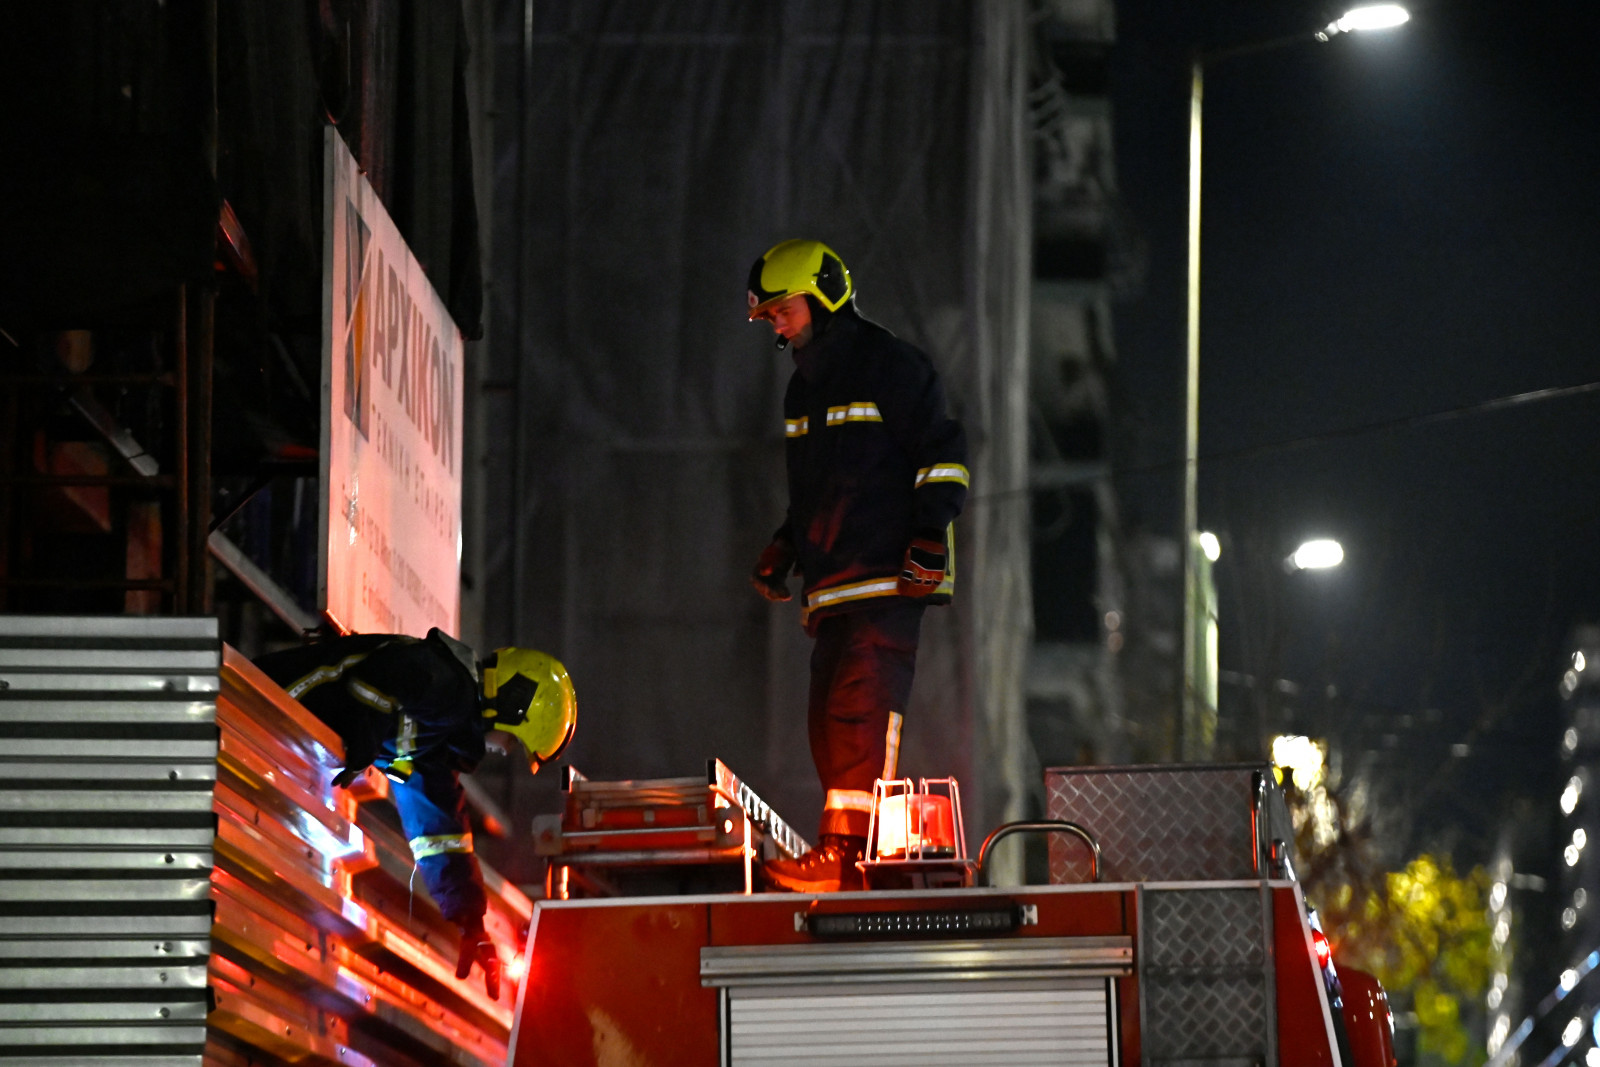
pixel 1303 756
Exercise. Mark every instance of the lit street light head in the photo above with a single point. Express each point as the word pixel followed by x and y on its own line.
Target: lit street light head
pixel 1315 556
pixel 1367 17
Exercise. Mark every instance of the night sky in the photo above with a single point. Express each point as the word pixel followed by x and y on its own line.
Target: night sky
pixel 1394 224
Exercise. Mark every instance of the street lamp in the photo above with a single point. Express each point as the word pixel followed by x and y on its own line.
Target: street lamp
pixel 1198 723
pixel 1368 17
pixel 1315 555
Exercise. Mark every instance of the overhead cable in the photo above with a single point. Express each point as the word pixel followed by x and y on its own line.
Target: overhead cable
pixel 1405 422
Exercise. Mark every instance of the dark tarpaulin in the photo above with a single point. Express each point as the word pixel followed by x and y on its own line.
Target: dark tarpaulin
pixel 106 194
pixel 631 414
pixel 391 75
pixel 109 197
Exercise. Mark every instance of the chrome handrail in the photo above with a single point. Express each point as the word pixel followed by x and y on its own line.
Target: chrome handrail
pixel 1042 826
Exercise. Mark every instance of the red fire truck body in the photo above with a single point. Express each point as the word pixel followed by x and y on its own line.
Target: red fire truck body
pixel 1122 971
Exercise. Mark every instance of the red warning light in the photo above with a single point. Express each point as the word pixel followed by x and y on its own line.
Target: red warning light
pixel 1319 942
pixel 915 825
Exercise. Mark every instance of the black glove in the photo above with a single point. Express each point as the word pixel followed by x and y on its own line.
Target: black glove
pixel 477 948
pixel 924 568
pixel 771 576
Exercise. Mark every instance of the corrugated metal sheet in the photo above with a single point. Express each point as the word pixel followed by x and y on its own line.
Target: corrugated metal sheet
pixel 173 895
pixel 322 952
pixel 108 749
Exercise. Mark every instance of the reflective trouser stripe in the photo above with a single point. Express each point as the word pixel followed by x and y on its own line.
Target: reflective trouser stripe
pixel 848 800
pixel 423 847
pixel 891 746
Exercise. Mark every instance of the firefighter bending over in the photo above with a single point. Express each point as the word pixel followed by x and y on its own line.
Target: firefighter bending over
pixel 422 711
pixel 877 474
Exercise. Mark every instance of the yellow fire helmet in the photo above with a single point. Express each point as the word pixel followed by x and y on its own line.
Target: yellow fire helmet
pixel 799 267
pixel 530 696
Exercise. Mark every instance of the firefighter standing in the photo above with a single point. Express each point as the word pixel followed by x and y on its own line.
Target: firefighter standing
pixel 877 474
pixel 421 711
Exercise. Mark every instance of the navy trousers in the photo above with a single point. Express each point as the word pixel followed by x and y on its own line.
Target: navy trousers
pixel 861 670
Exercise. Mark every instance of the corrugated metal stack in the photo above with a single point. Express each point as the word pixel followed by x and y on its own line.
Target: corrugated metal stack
pixel 108 748
pixel 323 952
pixel 128 820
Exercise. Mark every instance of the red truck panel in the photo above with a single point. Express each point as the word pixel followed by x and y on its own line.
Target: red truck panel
pixel 1366 1017
pixel 1305 1031
pixel 616 984
pixel 619 981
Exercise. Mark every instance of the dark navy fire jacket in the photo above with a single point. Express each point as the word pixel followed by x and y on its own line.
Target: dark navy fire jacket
pixel 873 461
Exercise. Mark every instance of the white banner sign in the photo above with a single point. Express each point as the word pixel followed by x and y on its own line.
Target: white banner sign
pixel 391 422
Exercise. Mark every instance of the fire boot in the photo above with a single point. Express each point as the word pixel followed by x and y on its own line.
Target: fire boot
pixel 828 868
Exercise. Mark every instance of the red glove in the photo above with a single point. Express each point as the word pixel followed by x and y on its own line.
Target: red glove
pixel 771 576
pixel 477 948
pixel 924 568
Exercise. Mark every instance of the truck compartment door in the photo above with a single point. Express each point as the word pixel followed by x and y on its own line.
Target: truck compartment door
pixel 1025 1001
pixel 1043 1021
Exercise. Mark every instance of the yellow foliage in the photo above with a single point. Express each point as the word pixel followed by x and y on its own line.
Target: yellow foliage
pixel 1423 931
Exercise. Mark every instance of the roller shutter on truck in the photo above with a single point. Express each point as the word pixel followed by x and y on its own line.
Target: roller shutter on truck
pixel 1040 1001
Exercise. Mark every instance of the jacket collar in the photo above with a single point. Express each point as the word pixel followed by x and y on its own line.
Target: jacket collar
pixel 817 360
pixel 461 652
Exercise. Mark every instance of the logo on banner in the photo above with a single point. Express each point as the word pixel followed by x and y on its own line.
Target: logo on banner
pixel 355 298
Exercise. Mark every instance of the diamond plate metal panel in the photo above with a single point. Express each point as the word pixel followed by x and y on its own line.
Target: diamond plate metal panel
pixel 1205 1016
pixel 108 751
pixel 1205 976
pixel 1203 928
pixel 1157 823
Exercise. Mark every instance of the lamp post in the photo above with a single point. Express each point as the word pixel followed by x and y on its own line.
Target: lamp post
pixel 1198 721
pixel 1264 580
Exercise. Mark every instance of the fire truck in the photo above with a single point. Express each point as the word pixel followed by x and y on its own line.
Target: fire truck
pixel 186 887
pixel 1173 930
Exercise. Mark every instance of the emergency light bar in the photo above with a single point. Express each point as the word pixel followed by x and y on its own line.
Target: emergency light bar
pixel 970 922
